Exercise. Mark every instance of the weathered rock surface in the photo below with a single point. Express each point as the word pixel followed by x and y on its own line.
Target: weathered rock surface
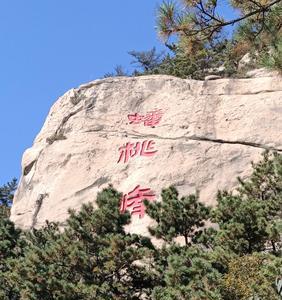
pixel 208 135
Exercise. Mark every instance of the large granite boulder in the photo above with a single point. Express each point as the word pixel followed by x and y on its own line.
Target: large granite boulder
pixel 142 134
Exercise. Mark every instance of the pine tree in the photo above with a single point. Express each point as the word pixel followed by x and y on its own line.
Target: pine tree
pixel 198 31
pixel 10 246
pixel 177 217
pixel 6 197
pixel 147 61
pixel 93 258
pixel 250 220
pixel 185 273
pixel 118 72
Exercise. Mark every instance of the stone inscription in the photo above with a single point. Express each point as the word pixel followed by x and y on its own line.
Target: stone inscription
pixel 133 201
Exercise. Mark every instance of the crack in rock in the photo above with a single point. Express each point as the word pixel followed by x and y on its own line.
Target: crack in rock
pixel 28 168
pixel 100 181
pixel 214 140
pixel 38 204
pixel 193 138
pixel 241 94
pixel 58 134
pixel 220 141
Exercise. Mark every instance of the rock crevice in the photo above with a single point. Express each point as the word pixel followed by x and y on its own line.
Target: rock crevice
pixel 186 138
pixel 38 205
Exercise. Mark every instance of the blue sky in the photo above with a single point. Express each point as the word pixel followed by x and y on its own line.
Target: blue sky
pixel 51 46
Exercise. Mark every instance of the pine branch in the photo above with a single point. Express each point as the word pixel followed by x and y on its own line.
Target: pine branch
pixel 262 9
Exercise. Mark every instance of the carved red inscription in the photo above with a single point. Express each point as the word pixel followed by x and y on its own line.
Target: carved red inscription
pixel 152 118
pixel 133 201
pixel 146 148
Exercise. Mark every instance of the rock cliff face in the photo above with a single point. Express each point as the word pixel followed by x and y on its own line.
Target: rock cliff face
pixel 143 134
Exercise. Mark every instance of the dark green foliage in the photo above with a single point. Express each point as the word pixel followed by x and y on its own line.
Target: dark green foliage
pixel 249 230
pixel 177 217
pixel 214 58
pixel 243 224
pixel 251 220
pixel 118 72
pixel 6 197
pixel 92 259
pixel 8 234
pixel 262 37
pixel 185 273
pixel 273 57
pixel 147 61
pixel 10 245
pixel 200 44
pixel 7 192
pixel 237 258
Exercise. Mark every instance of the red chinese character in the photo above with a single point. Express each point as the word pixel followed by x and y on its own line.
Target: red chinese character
pixel 129 150
pixel 147 147
pixel 153 118
pixel 135 119
pixel 134 201
pixel 132 149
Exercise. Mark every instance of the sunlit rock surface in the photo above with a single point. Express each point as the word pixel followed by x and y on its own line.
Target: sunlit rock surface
pixel 202 136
